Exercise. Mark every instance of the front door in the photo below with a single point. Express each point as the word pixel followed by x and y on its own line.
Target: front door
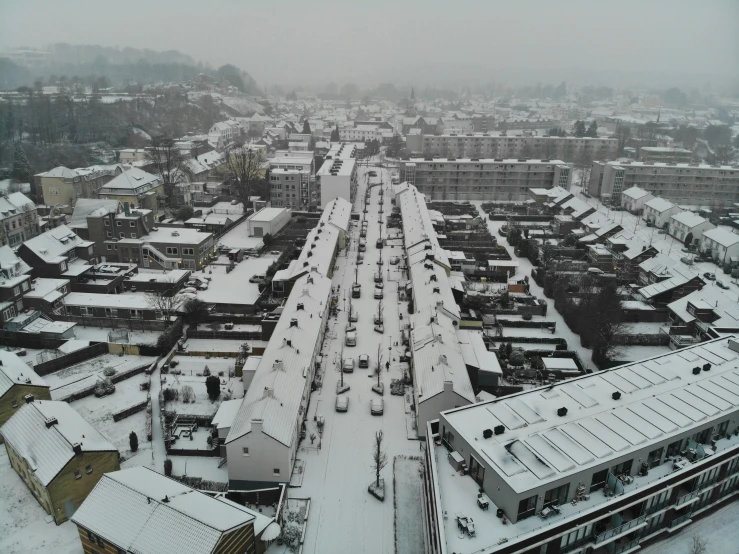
pixel 477 471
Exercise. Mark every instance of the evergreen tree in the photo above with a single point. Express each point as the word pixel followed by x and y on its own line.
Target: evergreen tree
pixel 335 135
pixel 592 130
pixel 579 128
pixel 21 169
pixel 306 127
pixel 133 441
pixel 413 94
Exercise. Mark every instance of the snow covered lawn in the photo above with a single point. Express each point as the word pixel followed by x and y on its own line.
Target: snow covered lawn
pixel 100 334
pixel 719 529
pixel 202 405
pixel 85 374
pixel 407 503
pixel 23 526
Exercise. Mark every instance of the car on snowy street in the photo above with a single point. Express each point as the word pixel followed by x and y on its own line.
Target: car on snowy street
pixel 342 403
pixel 378 294
pixel 348 366
pixel 363 360
pixel 377 406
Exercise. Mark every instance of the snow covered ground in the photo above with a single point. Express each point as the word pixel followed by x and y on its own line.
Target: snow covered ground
pixel 719 529
pixel 23 522
pixel 343 516
pixel 408 498
pixel 85 374
pixel 98 334
pixel 525 267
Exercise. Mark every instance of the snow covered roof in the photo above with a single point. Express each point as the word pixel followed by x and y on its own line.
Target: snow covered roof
pixel 689 219
pixel 60 172
pixel 95 207
pixel 338 213
pixel 226 413
pixel 268 214
pixel 476 353
pixel 139 510
pixel 419 235
pixel 276 391
pixel 48 448
pixel 659 204
pixel 722 236
pixel 678 278
pixel 659 397
pixel 437 356
pixel 14 371
pixel 635 192
pixel 128 300
pixel 54 243
pixel 725 308
pixel 134 180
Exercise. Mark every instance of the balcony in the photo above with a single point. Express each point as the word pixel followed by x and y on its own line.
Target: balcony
pixel 613 534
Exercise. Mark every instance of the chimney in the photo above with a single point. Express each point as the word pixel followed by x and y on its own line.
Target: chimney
pixel 268 393
pixel 293 322
pixel 448 386
pixel 126 208
pixel 77 447
pixel 301 306
pixel 166 499
pixel 51 421
pixel 28 398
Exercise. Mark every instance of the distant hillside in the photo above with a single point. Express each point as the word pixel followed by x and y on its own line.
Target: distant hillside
pixel 120 66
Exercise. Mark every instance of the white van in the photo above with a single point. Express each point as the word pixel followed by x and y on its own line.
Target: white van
pixel 351 338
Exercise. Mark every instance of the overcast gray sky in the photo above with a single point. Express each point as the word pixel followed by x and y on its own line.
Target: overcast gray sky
pixel 424 41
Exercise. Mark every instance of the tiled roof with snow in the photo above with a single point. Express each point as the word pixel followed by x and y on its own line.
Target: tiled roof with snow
pixel 688 218
pixel 660 397
pixel 48 449
pixel 724 306
pixel 418 229
pixel 14 371
pixel 338 213
pixel 91 207
pixel 635 192
pixel 139 510
pixel 722 236
pixel 54 243
pixel 659 204
pixel 276 391
pixel 678 278
pixel 61 172
pixel 133 180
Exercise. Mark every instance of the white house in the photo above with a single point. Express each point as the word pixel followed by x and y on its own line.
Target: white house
pixel 684 223
pixel 223 132
pixel 658 211
pixel 262 443
pixel 722 244
pixel 268 221
pixel 634 198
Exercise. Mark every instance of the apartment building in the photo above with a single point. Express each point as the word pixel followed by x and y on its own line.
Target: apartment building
pixel 337 178
pixel 483 179
pixel 696 184
pixel 50 254
pixel 341 151
pixel 63 186
pixel 652 154
pixel 18 219
pixel 290 188
pixel 135 187
pixel 15 281
pixel 600 463
pixel 492 145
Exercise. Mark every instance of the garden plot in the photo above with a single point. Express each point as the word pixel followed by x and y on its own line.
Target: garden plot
pixel 192 365
pixel 408 517
pixel 192 395
pixel 98 412
pixel 77 377
pixel 99 334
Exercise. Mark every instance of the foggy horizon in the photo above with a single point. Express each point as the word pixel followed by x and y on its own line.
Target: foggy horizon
pixel 661 43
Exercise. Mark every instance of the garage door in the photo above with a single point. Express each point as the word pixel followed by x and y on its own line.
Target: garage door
pixel 258 231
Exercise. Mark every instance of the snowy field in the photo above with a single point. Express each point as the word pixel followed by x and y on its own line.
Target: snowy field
pixel 23 522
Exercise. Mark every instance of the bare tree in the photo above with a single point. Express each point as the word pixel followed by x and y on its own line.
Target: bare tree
pixel 167 162
pixel 697 545
pixel 723 154
pixel 164 300
pixel 243 170
pixel 379 363
pixel 379 457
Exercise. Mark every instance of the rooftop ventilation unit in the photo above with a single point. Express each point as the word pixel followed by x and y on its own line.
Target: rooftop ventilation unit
pixel 28 398
pixel 293 322
pixel 616 395
pixel 487 433
pixel 706 367
pixel 51 421
pixel 562 412
pixel 437 290
pixel 301 306
pixel 696 370
pixel 499 429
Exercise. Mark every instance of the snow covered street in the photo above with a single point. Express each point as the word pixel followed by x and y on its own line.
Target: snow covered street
pixel 337 475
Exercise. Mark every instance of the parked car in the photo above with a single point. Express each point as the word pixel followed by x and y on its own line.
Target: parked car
pixel 342 403
pixel 722 285
pixel 709 276
pixel 348 366
pixel 258 278
pixel 351 339
pixel 377 406
pixel 373 173
pixel 378 294
pixel 363 360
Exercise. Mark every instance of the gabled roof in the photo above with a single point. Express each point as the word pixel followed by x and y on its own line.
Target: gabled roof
pixel 724 306
pixel 61 172
pixel 689 219
pixel 53 243
pixel 635 193
pixel 132 180
pixel 96 207
pixel 679 278
pixel 14 371
pixel 48 449
pixel 659 204
pixel 338 213
pixel 722 236
pixel 141 511
pixel 276 391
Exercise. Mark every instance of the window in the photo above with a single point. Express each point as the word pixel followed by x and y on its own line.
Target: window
pixel 109 234
pixel 673 449
pixel 137 314
pixel 556 496
pixel 276 471
pixel 88 469
pixel 526 508
pixel 9 313
pixel 624 468
pixel 172 250
pixel 599 480
pixel 25 287
pixel 723 428
pixel 77 474
pixel 654 458
pixel 133 235
pixel 245 450
pixel 100 542
pixel 188 251
pixel 15 404
pixel 16 291
pixel 122 235
pixel 107 223
pixel 119 224
pixel 110 247
pixel 132 224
